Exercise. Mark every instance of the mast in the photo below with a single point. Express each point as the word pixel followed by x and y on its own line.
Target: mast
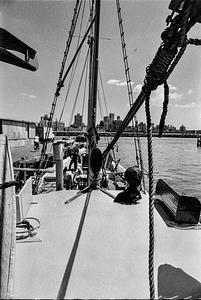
pixel 94 153
pixel 95 63
pixel 94 45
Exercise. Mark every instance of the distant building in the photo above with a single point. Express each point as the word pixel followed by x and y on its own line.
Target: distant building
pixel 58 126
pixel 77 121
pixel 111 117
pixel 182 128
pixel 18 132
pixel 142 127
pixel 117 123
pixel 106 122
pixel 42 126
pixel 44 121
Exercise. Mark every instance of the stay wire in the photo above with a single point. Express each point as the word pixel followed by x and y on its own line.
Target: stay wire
pixel 85 88
pixel 78 90
pixel 59 85
pixel 74 65
pixel 136 138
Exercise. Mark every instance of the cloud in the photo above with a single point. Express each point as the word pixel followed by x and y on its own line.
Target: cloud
pixel 137 88
pixel 175 97
pixel 190 105
pixel 157 97
pixel 189 92
pixel 117 82
pixel 32 96
pixel 172 88
pixel 25 95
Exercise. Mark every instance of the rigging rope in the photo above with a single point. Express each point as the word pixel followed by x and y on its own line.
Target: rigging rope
pixel 165 107
pixel 74 66
pixel 59 85
pixel 151 199
pixel 100 107
pixel 57 93
pixel 165 60
pixel 104 98
pixel 85 88
pixel 157 73
pixel 106 138
pixel 78 90
pixel 136 137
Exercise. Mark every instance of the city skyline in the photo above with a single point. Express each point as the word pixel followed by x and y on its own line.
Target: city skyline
pixel 110 119
pixel 44 26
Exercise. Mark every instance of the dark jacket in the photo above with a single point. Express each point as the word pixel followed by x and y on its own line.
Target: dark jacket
pixel 129 196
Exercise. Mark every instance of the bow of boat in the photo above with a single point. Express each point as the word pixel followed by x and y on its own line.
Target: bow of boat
pixel 95 248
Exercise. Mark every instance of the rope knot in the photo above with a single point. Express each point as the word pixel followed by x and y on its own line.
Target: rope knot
pixel 157 70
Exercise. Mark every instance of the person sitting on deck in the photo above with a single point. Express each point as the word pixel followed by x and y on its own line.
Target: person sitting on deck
pixel 131 194
pixel 74 154
pixel 67 179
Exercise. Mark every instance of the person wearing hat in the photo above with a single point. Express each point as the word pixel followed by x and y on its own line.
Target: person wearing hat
pixel 131 194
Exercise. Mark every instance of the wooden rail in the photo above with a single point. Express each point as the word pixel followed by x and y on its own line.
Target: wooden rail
pixel 7 220
pixel 33 170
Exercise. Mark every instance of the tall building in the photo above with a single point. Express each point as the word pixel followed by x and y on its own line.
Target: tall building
pixel 58 126
pixel 111 117
pixel 78 120
pixel 44 120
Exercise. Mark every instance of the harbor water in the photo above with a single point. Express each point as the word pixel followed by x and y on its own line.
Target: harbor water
pixel 176 160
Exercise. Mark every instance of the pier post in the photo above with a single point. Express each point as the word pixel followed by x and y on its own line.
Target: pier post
pixel 23 162
pixel 58 158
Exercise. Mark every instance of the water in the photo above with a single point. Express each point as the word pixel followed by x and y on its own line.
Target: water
pixel 176 160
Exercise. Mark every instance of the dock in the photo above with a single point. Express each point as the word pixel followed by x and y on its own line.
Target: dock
pixel 28 153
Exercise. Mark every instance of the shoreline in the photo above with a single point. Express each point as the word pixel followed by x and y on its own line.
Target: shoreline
pixel 154 134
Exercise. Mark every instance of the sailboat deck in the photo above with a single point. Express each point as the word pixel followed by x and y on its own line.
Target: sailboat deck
pixel 110 260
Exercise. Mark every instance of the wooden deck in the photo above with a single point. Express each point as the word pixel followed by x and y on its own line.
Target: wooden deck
pixel 107 257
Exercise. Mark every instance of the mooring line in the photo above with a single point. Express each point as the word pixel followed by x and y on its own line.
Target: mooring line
pixel 66 277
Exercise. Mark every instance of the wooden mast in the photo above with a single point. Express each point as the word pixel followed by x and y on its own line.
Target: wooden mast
pixel 94 153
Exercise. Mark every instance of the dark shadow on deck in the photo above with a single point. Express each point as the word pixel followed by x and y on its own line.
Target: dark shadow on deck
pixel 175 282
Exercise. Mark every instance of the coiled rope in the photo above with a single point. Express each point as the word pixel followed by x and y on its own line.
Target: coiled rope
pixel 25 229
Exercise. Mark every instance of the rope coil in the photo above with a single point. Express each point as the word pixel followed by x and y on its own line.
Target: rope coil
pixel 156 71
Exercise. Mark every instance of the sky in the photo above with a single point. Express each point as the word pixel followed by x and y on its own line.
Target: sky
pixel 44 26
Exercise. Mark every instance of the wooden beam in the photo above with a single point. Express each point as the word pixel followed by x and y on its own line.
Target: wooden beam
pixel 7 220
pixel 33 170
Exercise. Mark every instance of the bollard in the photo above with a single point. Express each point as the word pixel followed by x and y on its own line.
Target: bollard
pixel 58 157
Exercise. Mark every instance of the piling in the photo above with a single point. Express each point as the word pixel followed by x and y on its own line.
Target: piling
pixel 23 163
pixel 58 158
pixel 199 142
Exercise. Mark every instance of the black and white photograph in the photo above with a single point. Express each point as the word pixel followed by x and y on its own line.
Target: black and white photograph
pixel 100 149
